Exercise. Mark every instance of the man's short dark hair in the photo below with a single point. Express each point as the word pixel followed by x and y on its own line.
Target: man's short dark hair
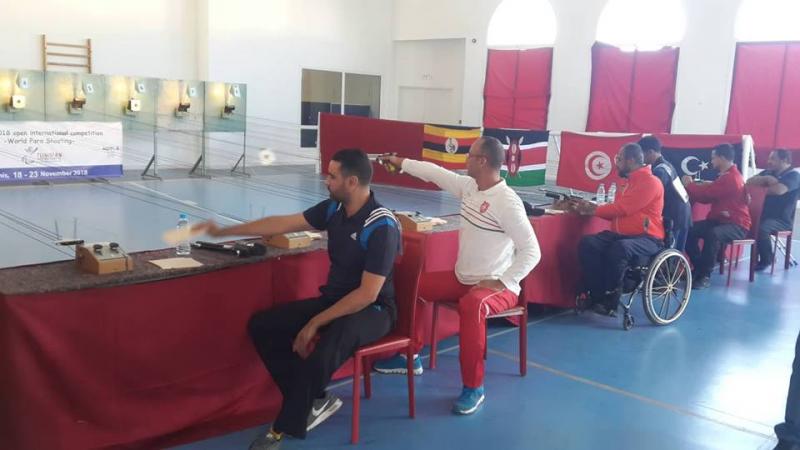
pixel 724 151
pixel 650 144
pixel 355 163
pixel 633 152
pixel 493 150
pixel 784 155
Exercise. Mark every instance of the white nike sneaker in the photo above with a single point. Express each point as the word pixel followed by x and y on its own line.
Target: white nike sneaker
pixel 321 409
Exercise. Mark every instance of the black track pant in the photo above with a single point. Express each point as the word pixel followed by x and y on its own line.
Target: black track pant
pixel 714 235
pixel 302 380
pixel 604 257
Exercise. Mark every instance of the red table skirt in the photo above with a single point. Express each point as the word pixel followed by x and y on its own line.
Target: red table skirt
pixel 143 365
pixel 161 363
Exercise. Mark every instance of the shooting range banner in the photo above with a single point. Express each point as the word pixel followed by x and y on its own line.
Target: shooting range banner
pixel 41 151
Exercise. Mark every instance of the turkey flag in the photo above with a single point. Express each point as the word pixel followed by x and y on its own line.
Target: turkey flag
pixel 691 154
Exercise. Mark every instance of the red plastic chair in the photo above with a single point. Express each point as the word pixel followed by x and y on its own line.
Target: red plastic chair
pixel 521 310
pixel 788 259
pixel 408 270
pixel 756 196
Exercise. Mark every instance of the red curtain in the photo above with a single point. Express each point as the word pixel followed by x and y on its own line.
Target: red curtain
pixel 766 86
pixel 632 91
pixel 517 88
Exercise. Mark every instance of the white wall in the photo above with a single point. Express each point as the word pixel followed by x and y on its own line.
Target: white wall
pixel 705 68
pixel 267 44
pixel 153 38
pixel 430 70
pixel 452 19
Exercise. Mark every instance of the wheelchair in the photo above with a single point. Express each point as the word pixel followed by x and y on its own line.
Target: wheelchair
pixel 664 282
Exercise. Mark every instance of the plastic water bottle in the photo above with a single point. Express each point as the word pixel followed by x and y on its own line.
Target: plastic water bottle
pixel 601 194
pixel 183 248
pixel 612 193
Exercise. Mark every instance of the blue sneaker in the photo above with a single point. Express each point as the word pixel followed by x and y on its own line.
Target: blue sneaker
pixel 469 400
pixel 397 364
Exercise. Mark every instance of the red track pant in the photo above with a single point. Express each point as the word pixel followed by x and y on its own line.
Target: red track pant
pixel 474 304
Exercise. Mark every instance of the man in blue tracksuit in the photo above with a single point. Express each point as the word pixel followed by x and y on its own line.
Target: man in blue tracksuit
pixel 677 210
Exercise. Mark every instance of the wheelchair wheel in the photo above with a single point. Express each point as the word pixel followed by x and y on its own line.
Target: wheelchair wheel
pixel 627 321
pixel 667 287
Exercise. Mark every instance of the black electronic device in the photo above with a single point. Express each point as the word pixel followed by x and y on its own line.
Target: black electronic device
pixel 242 249
pixel 556 195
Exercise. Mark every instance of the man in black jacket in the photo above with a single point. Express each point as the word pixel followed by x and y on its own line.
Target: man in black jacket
pixel 677 210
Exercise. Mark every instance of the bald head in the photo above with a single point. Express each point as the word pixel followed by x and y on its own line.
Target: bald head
pixel 493 150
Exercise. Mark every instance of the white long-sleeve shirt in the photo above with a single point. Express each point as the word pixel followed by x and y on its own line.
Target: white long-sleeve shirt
pixel 496 240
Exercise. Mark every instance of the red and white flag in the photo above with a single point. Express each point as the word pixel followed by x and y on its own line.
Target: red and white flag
pixel 586 160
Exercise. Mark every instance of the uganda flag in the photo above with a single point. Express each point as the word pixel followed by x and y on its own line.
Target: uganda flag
pixel 526 155
pixel 447 145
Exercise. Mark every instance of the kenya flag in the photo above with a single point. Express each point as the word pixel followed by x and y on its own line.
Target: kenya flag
pixel 526 155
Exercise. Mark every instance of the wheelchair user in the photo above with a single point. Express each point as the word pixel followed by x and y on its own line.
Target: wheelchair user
pixel 636 234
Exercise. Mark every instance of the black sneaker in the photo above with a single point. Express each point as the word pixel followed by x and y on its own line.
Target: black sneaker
pixel 269 441
pixel 603 310
pixel 321 409
pixel 701 283
pixel 762 266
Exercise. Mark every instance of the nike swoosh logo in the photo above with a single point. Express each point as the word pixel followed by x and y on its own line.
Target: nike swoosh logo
pixel 316 411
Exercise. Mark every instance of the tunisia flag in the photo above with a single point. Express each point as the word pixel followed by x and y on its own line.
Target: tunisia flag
pixel 588 159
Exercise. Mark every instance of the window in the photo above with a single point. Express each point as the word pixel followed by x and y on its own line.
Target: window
pixel 325 92
pixel 768 20
pixel 642 24
pixel 522 24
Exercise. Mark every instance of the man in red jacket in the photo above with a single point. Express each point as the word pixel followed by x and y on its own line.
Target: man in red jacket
pixel 637 230
pixel 728 219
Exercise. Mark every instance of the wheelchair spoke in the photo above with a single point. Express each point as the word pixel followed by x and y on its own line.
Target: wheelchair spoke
pixel 665 304
pixel 661 290
pixel 661 297
pixel 680 293
pixel 679 271
pixel 660 277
